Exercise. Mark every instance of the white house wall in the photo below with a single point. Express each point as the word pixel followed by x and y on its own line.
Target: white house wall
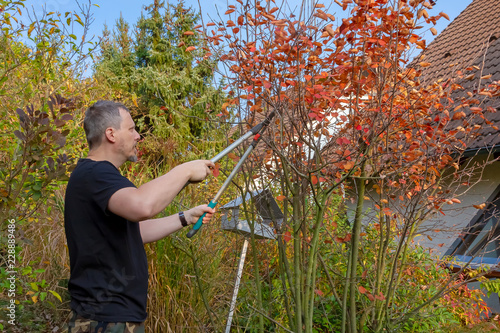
pixel 439 232
pixel 458 216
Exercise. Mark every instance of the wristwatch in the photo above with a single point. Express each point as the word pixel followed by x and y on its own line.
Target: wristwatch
pixel 183 219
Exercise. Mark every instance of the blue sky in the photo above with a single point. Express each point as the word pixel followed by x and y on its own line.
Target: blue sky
pixel 109 10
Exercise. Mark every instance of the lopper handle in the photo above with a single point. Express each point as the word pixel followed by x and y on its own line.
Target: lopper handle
pixel 199 223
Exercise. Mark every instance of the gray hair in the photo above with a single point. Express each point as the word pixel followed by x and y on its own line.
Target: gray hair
pixel 98 117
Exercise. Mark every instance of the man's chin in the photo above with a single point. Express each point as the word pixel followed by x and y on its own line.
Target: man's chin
pixel 132 158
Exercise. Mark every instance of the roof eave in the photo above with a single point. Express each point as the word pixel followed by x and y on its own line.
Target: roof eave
pixel 481 151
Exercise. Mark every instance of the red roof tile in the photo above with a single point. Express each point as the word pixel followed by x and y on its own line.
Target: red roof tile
pixel 472 39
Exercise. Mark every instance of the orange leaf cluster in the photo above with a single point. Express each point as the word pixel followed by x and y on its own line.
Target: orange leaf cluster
pixel 346 94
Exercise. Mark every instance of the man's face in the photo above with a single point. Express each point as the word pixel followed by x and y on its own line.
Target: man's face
pixel 128 137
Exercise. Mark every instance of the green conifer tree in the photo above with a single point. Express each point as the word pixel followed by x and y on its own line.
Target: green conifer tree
pixel 165 74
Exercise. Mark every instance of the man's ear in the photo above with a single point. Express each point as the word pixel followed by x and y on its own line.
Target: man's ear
pixel 110 134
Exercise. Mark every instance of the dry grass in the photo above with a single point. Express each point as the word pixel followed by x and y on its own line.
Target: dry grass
pixel 45 248
pixel 175 299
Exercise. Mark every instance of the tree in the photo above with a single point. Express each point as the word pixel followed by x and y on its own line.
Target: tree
pixel 163 72
pixel 41 91
pixel 354 123
pixel 34 75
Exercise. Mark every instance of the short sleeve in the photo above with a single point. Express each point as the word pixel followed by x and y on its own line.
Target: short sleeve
pixel 106 181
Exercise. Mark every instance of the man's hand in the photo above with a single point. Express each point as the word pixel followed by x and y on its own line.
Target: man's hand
pixel 156 229
pixel 194 214
pixel 197 170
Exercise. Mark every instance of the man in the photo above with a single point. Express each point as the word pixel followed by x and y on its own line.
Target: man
pixel 108 219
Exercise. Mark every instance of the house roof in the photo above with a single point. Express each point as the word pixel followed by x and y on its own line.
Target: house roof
pixel 472 39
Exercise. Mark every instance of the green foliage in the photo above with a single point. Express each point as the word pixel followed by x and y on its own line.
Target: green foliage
pixel 326 315
pixel 37 290
pixel 422 277
pixel 491 286
pixel 164 72
pixel 33 296
pixel 438 320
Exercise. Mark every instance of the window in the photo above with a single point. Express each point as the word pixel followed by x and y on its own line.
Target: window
pixel 479 243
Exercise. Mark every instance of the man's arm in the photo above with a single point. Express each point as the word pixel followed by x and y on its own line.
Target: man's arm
pixel 156 229
pixel 139 204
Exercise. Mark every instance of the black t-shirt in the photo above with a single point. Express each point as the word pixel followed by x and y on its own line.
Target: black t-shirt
pixel 109 270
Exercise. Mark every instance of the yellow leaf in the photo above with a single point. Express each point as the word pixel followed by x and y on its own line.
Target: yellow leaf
pixel 34 298
pixel 56 295
pixel 32 26
pixel 486 77
pixel 330 30
pixel 419 13
pixel 434 31
pixel 322 15
pixel 443 14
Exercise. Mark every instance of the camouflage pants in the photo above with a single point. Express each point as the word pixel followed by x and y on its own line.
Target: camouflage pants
pixel 78 324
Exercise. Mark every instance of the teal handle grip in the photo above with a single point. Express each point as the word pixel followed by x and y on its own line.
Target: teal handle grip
pixel 199 223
